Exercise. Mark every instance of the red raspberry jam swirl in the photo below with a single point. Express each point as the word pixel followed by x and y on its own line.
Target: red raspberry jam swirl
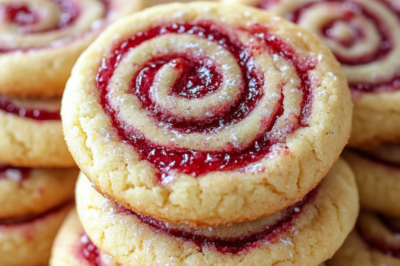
pixel 8 106
pixel 379 243
pixel 377 158
pixel 89 252
pixel 25 16
pixel 199 77
pixel 17 174
pixel 351 11
pixel 234 245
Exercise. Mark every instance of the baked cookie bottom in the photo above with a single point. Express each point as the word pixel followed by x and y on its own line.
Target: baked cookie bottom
pixel 309 235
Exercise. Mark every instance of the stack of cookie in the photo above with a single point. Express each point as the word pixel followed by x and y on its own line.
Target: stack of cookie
pixel 364 35
pixel 39 43
pixel 207 134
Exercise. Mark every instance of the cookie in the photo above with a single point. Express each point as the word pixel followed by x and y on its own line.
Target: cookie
pixel 42 40
pixel 374 242
pixel 31 191
pixel 306 233
pixel 72 247
pixel 230 117
pixel 27 241
pixel 377 173
pixel 31 133
pixel 365 37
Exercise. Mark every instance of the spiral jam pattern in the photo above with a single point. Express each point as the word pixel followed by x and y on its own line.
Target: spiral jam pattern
pixel 380 233
pixel 41 23
pixel 206 97
pixel 363 34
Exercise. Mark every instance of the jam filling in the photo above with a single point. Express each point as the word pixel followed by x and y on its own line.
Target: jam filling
pixel 17 174
pixel 198 78
pixel 376 158
pixel 8 106
pixel 89 252
pixel 379 244
pixel 20 14
pixel 355 9
pixel 206 78
pixel 23 220
pixel 234 245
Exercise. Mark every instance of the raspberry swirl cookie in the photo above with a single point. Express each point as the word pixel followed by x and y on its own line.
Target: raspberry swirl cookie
pixel 27 192
pixel 27 240
pixel 374 242
pixel 306 233
pixel 31 133
pixel 72 247
pixel 42 39
pixel 377 173
pixel 206 113
pixel 365 37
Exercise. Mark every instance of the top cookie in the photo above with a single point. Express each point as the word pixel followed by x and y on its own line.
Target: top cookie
pixel 42 40
pixel 364 35
pixel 206 113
